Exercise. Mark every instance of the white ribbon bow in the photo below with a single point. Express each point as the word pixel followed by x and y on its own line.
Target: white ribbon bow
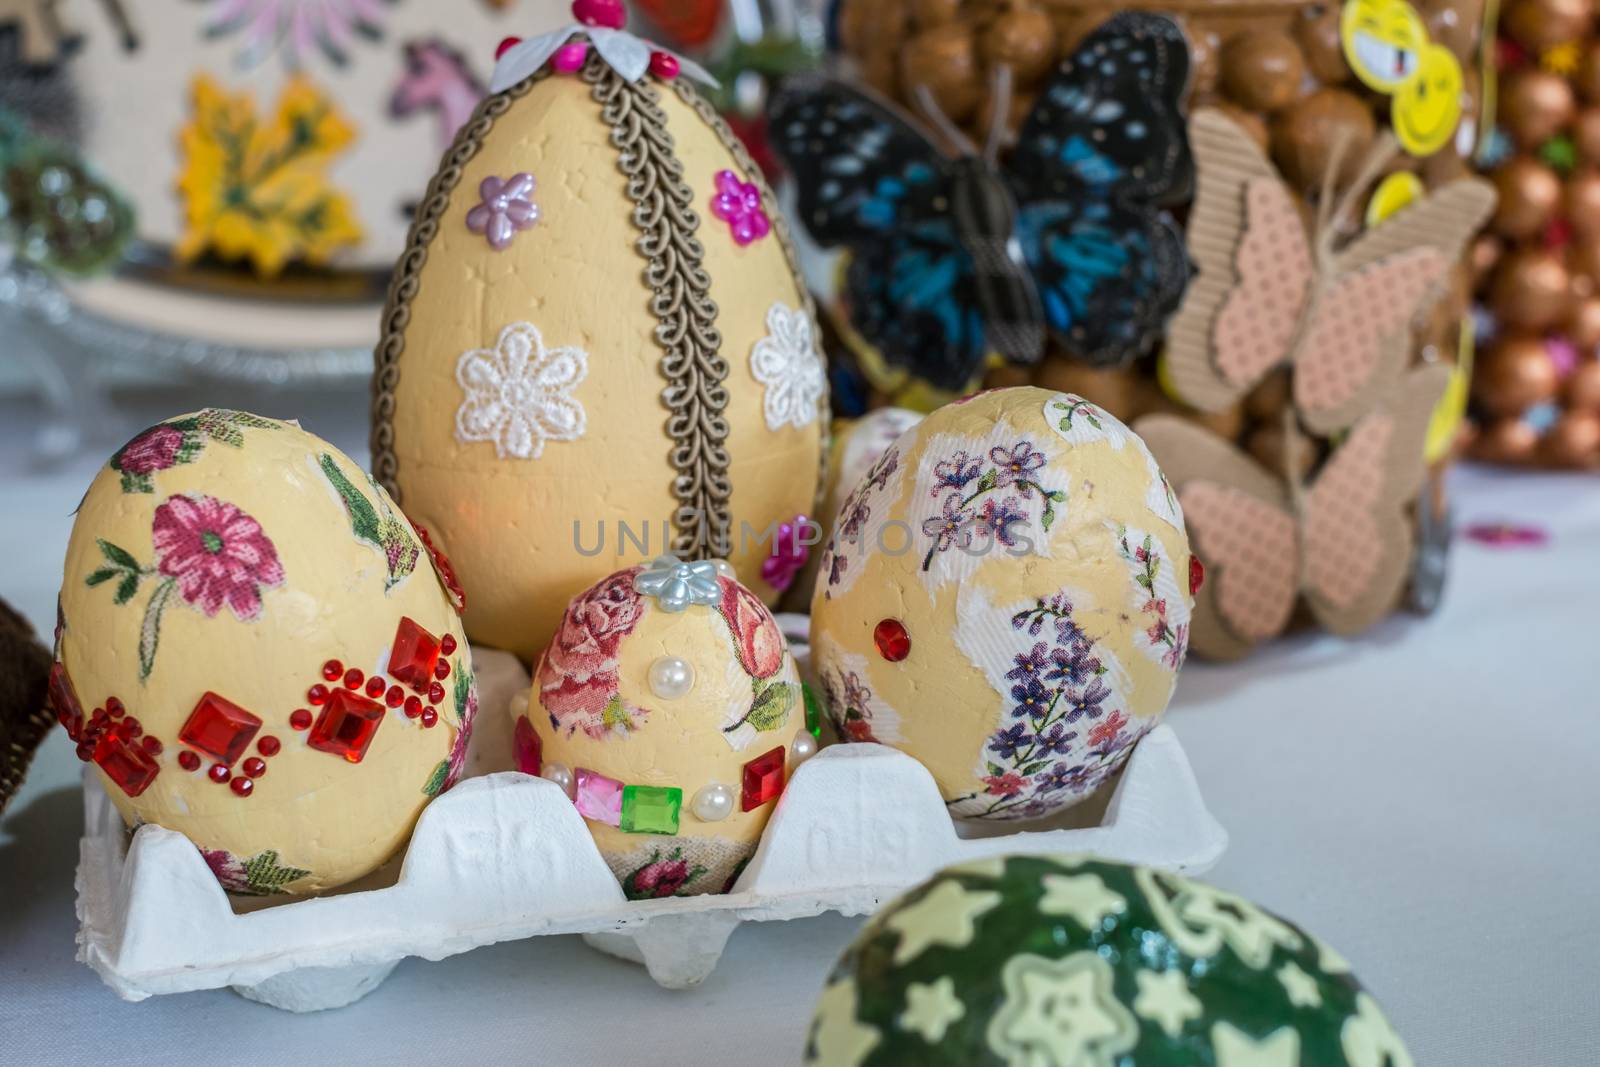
pixel 626 54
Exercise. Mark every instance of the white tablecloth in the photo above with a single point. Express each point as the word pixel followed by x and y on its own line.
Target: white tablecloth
pixel 1426 798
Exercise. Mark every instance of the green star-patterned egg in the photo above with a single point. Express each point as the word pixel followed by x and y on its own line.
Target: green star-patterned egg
pixel 1076 962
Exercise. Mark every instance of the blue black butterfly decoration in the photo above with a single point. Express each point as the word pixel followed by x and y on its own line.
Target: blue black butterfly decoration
pixel 951 258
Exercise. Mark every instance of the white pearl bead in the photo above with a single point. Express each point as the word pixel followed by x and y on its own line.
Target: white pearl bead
pixel 725 569
pixel 712 803
pixel 561 775
pixel 803 747
pixel 671 677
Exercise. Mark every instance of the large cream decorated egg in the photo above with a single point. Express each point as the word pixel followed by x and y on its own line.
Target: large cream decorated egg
pixel 596 348
pixel 669 708
pixel 256 650
pixel 1006 597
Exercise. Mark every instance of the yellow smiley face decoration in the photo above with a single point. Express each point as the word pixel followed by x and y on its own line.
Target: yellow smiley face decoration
pixel 1387 46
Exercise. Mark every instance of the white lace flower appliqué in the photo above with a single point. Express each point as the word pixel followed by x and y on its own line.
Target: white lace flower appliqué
pixel 519 393
pixel 786 362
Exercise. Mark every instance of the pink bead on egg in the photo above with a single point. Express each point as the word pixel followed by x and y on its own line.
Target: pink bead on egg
pixel 569 57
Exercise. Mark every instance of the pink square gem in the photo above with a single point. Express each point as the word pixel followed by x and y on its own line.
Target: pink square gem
pixel 598 797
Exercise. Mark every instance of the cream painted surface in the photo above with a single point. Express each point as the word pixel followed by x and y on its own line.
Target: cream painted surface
pixel 577 275
pixel 947 707
pixel 320 812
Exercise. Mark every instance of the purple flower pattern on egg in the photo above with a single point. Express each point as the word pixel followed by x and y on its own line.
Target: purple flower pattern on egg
pixel 505 206
pixel 738 203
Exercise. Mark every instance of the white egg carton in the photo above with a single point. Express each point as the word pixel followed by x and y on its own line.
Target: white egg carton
pixel 504 856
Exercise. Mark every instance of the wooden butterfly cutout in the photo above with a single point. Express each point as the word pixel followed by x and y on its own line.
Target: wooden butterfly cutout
pixel 1344 541
pixel 1268 293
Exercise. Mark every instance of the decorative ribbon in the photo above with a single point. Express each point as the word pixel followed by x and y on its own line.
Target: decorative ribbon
pixel 624 53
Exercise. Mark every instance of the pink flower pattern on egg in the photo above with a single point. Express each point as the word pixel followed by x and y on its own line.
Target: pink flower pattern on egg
pixel 505 206
pixel 217 554
pixel 738 203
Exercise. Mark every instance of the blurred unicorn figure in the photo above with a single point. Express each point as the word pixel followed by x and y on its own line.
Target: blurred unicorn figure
pixel 437 77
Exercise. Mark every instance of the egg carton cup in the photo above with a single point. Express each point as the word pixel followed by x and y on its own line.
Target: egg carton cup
pixel 504 856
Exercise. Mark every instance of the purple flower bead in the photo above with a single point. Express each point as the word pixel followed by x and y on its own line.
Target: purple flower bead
pixel 505 207
pixel 739 205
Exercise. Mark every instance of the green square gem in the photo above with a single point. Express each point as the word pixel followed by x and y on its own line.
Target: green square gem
pixel 650 809
pixel 813 712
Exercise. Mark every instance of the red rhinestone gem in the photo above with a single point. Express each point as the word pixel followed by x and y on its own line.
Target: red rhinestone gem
pixel 413 707
pixel 894 644
pixel 347 725
pixel 506 44
pixel 353 678
pixel 526 747
pixel 1197 575
pixel 414 653
pixel 300 719
pixel 430 716
pixel 663 65
pixel 219 773
pixel 219 728
pixel 255 766
pixel 86 750
pixel 376 686
pixel 129 728
pixel 332 669
pixel 132 768
pixel 762 779
pixel 242 786
pixel 317 695
pixel 114 707
pixel 441 670
pixel 151 745
pixel 447 644
pixel 188 760
pixel 436 693
pixel 64 699
pixel 395 696
pixel 268 746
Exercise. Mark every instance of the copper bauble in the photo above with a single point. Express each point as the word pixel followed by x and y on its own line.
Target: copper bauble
pixel 1024 40
pixel 1581 202
pixel 1574 440
pixel 926 14
pixel 1251 123
pixel 1266 444
pixel 1541 24
pixel 1582 327
pixel 945 60
pixel 1587 80
pixel 1514 374
pixel 1505 440
pixel 1303 136
pixel 1205 60
pixel 1582 388
pixel 1110 387
pixel 1535 105
pixel 1262 69
pixel 1530 289
pixel 1528 194
pixel 1318 37
pixel 1486 252
pixel 1453 23
pixel 1265 403
pixel 868 27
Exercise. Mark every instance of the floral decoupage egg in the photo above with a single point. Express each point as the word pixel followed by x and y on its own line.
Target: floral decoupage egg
pixel 668 707
pixel 256 649
pixel 1077 961
pixel 1006 597
pixel 597 339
